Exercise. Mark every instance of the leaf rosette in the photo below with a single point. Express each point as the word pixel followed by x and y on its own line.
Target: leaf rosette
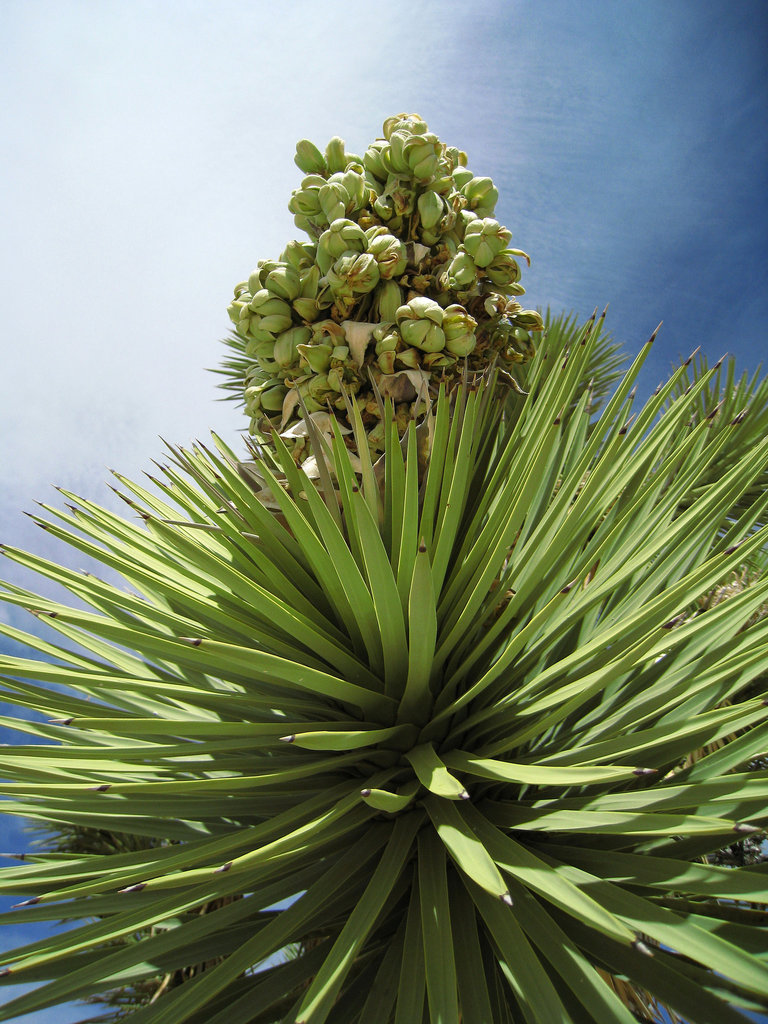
pixel 430 730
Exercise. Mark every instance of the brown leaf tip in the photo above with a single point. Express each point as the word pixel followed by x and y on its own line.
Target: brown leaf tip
pixel 224 867
pixel 288 739
pixel 26 903
pixel 689 360
pixel 653 336
pixel 507 899
pixel 193 641
pixel 134 888
pixel 60 721
pixel 365 793
pixel 464 795
pixel 743 829
pixel 103 788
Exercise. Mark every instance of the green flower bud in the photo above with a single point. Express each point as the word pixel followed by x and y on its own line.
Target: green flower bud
pixel 462 272
pixel 443 186
pixel 481 192
pixel 300 255
pixel 356 189
pixel 272 399
pixel 286 353
pixel 374 230
pixel 335 157
pixel 386 361
pixel 372 160
pixel 266 396
pixel 307 309
pixel 431 209
pixel 266 328
pixel 317 357
pixel 463 220
pixel 504 270
pixel 410 358
pixel 422 307
pixel 341 236
pixel 355 272
pixel 324 297
pixel 462 176
pixel 387 338
pixel 390 254
pixel 265 303
pixel 459 328
pixel 394 158
pixel 309 158
pixel 309 282
pixel 259 350
pixel 485 239
pixel 252 398
pixel 389 298
pixel 283 281
pixel 495 304
pixel 306 200
pixel 384 207
pixel 237 310
pixel 419 323
pixel 411 123
pixel 254 281
pixel 333 200
pixel 422 153
pixel 529 319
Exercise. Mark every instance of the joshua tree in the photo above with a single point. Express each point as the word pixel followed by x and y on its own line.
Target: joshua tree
pixel 397 711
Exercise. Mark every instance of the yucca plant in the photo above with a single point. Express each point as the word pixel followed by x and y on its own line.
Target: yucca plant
pixel 404 711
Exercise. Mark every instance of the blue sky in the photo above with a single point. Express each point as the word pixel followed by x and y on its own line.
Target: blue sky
pixel 147 162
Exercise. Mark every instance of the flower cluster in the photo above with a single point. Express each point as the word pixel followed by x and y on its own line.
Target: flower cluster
pixel 406 281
